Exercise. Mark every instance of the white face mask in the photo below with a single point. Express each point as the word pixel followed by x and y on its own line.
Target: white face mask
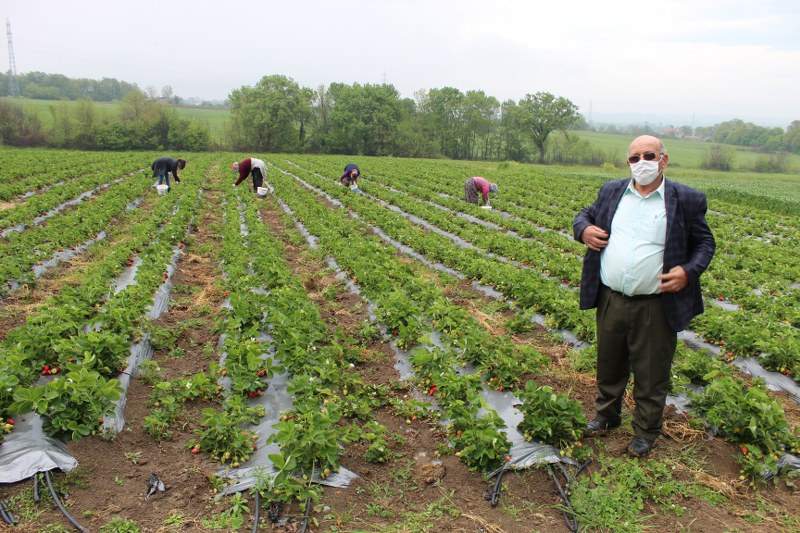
pixel 644 172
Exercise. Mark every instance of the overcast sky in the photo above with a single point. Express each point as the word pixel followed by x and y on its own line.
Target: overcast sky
pixel 689 60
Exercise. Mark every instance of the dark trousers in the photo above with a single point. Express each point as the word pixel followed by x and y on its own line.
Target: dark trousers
pixel 258 179
pixel 471 193
pixel 633 335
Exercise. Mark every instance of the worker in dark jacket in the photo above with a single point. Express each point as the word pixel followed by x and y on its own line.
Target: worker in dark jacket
pixel 253 166
pixel 350 175
pixel 163 166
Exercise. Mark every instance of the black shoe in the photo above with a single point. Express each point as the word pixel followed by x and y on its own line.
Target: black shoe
pixel 639 447
pixel 599 426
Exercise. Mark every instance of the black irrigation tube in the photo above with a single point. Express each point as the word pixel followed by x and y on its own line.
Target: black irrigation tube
pixel 258 506
pixel 308 513
pixel 494 495
pixel 5 513
pixel 36 488
pixel 568 511
pixel 61 506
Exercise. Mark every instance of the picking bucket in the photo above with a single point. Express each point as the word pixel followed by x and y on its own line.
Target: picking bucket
pixel 262 192
pixel 162 189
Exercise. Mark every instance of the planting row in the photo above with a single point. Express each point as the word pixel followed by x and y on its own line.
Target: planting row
pixel 63 361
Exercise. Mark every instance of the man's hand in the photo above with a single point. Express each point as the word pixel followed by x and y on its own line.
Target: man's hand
pixel 595 238
pixel 674 280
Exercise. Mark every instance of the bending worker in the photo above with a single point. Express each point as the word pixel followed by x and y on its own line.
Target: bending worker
pixel 163 166
pixel 350 175
pixel 253 166
pixel 475 184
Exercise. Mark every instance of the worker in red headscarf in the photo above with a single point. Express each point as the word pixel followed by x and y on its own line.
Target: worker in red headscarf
pixel 477 184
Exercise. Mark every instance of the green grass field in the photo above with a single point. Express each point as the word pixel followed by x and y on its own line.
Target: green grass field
pixel 217 119
pixel 682 153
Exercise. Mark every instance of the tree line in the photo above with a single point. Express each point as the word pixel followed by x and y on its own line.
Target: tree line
pixel 741 133
pixel 139 124
pixel 278 115
pixel 42 86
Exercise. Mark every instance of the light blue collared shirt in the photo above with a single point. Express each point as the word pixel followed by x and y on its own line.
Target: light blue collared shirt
pixel 634 257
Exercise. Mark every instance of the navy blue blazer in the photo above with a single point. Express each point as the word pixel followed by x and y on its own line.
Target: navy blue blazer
pixel 689 243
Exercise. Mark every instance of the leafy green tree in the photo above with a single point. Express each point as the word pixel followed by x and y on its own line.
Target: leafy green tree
pixel 542 113
pixel 479 113
pixel 270 116
pixel 364 119
pixel 416 136
pixel 443 108
pixel 512 138
pixel 86 118
pixel 63 126
pixel 18 128
pixel 718 157
pixel 791 139
pixel 321 106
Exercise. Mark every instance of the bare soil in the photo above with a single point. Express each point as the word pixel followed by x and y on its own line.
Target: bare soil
pixel 112 477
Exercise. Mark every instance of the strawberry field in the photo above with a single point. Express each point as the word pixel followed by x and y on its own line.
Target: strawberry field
pixel 389 359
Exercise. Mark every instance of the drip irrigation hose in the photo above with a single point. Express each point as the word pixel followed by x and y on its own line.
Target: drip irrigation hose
pixel 36 488
pixel 308 513
pixel 494 496
pixel 572 522
pixel 61 506
pixel 258 506
pixel 8 518
pixel 568 511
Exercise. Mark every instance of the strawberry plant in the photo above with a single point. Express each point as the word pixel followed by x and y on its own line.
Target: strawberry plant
pixel 696 367
pixel 5 428
pixel 478 440
pixel 549 417
pixel 246 366
pixel 246 314
pixel 8 382
pixel 72 405
pixel 222 439
pixel 310 436
pixel 156 424
pixel 378 450
pixel 103 351
pixel 747 416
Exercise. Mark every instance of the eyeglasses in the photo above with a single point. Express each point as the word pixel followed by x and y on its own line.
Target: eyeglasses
pixel 647 156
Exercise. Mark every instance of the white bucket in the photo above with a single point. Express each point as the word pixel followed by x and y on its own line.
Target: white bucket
pixel 162 189
pixel 262 191
pixel 354 187
pixel 486 207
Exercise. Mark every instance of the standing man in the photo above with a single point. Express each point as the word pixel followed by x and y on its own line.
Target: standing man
pixel 250 165
pixel 350 175
pixel 648 243
pixel 477 184
pixel 163 166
